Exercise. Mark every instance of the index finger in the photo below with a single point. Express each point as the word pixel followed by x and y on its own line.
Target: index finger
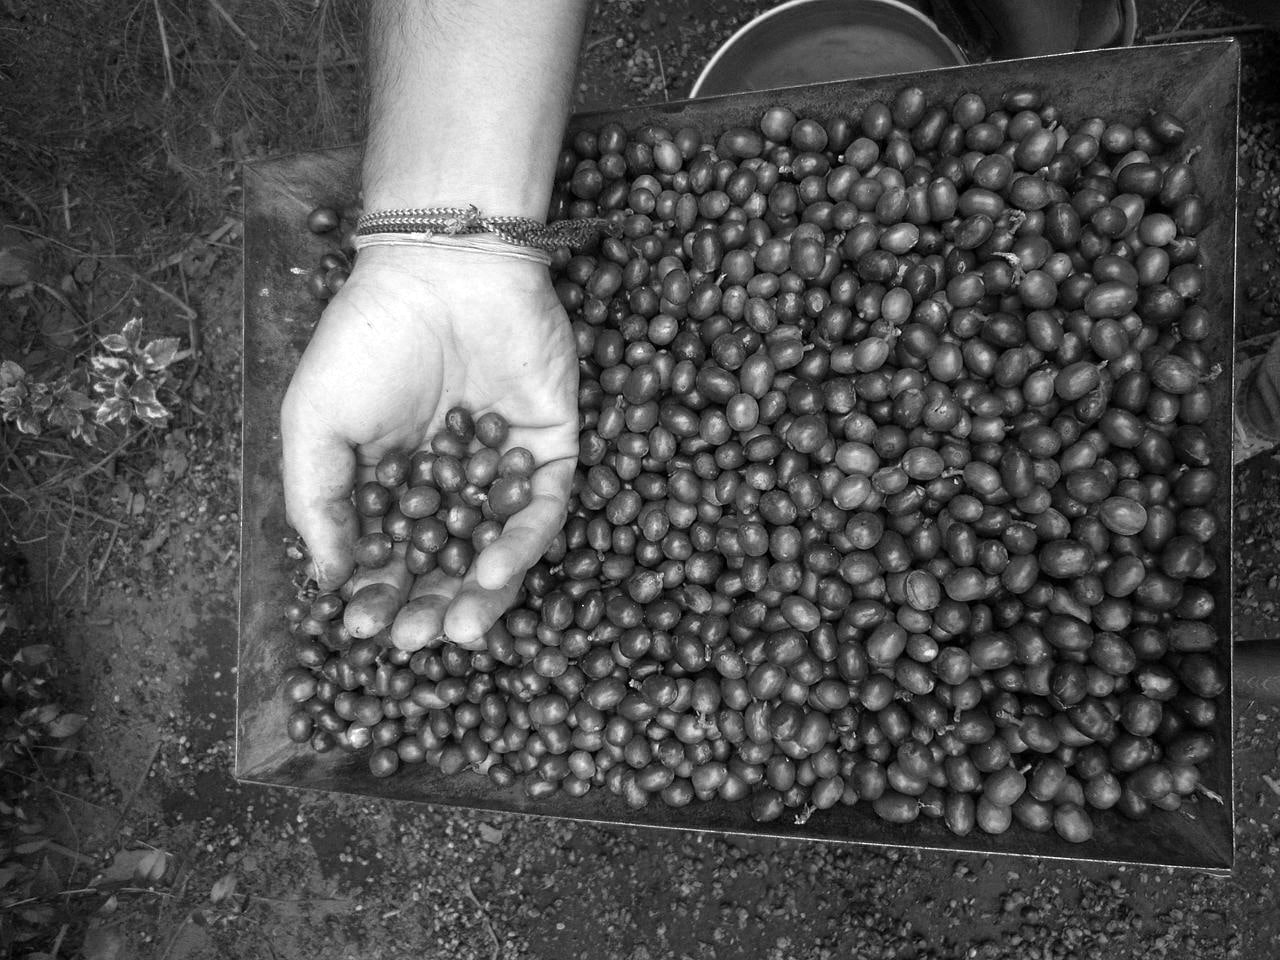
pixel 527 534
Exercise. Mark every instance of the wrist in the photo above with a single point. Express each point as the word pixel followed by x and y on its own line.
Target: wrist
pixel 450 268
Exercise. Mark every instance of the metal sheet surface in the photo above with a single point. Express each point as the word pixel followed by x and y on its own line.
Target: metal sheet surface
pixel 1197 81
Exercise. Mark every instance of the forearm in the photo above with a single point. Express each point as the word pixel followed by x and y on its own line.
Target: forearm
pixel 468 100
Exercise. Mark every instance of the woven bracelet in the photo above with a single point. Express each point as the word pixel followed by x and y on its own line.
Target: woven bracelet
pixel 464 221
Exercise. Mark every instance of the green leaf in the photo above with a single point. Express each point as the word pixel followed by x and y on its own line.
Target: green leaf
pixel 143 392
pixel 67 725
pixel 115 343
pixel 111 367
pixel 11 398
pixel 46 882
pixel 154 413
pixel 113 409
pixel 45 713
pixel 223 888
pixel 64 418
pixel 76 400
pixel 86 431
pixel 11 373
pixel 151 868
pixel 31 846
pixel 35 654
pixel 133 334
pixel 158 354
pixel 123 866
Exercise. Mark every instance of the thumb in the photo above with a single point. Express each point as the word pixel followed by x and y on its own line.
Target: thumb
pixel 319 473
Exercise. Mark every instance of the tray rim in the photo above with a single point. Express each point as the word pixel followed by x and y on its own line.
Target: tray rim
pixel 259 167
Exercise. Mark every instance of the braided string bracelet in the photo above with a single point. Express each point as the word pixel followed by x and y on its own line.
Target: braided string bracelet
pixel 520 238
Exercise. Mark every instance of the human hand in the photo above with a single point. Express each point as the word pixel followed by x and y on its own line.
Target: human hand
pixel 414 332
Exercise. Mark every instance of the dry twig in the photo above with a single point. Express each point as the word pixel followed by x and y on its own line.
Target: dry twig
pixel 62 553
pixel 82 892
pixel 75 575
pixel 235 27
pixel 57 943
pixel 1185 13
pixel 178 894
pixel 137 789
pixel 55 790
pixel 23 196
pixel 70 854
pixel 110 263
pixel 75 855
pixel 1261 340
pixel 95 515
pixel 169 84
pixel 261 899
pixel 56 482
pixel 106 555
pixel 484 916
pixel 173 940
pixel 1205 33
pixel 61 298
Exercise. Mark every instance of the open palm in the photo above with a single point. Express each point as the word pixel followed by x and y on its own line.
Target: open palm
pixel 414 332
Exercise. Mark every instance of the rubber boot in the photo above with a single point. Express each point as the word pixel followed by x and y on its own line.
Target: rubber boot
pixel 1009 29
pixel 1258 404
pixel 1029 28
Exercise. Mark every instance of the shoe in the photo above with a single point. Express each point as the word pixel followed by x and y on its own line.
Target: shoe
pixel 1107 23
pixel 1246 441
pixel 1010 29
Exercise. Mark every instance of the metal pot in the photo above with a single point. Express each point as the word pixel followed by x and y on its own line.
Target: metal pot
pixel 813 41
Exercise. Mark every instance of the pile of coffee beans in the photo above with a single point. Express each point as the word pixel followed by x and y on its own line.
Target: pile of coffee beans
pixel 895 486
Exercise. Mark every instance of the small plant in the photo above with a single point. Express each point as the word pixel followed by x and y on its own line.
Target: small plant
pixel 25 681
pixel 31 718
pixel 26 402
pixel 131 378
pixel 127 381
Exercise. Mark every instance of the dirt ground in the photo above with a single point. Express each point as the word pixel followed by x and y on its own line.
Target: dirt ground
pixel 121 166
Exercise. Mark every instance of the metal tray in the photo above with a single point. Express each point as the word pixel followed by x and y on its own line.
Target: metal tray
pixel 1197 81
